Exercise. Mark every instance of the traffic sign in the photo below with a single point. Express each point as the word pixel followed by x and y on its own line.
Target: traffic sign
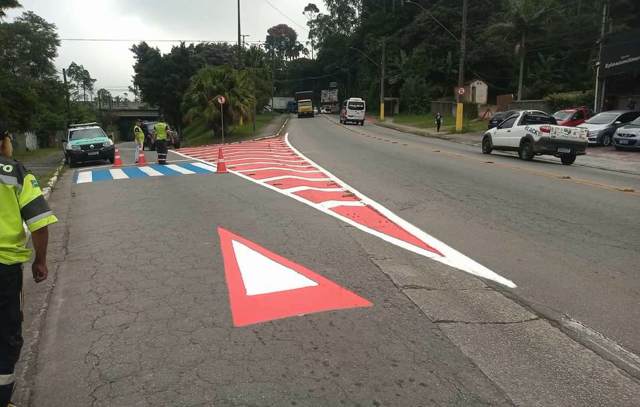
pixel 221 100
pixel 461 91
pixel 264 286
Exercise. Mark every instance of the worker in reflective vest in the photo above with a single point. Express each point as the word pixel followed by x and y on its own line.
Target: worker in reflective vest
pixel 138 139
pixel 21 202
pixel 161 131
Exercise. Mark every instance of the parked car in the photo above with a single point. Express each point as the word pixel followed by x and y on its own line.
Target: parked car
pixel 353 110
pixel 498 117
pixel 627 137
pixel 531 133
pixel 602 126
pixel 572 117
pixel 87 142
pixel 174 139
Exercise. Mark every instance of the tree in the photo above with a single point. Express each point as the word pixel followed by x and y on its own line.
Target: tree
pixel 8 4
pixel 311 11
pixel 235 85
pixel 282 40
pixel 104 99
pixel 81 80
pixel 522 19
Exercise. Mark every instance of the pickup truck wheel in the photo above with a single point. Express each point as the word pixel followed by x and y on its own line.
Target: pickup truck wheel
pixel 606 140
pixel 526 150
pixel 487 146
pixel 568 159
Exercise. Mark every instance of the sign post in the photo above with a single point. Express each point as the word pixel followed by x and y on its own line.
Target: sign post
pixel 459 109
pixel 221 100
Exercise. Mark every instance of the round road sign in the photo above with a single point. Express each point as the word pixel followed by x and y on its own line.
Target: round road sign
pixel 221 100
pixel 461 91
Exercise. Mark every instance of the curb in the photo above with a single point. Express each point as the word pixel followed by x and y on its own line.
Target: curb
pixel 46 191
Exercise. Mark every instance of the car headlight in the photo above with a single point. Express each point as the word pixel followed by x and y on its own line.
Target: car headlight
pixel 76 148
pixel 108 143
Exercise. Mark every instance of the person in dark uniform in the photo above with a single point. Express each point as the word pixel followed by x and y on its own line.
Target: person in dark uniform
pixel 161 130
pixel 21 202
pixel 438 122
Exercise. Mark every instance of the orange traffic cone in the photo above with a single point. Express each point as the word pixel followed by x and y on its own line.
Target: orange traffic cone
pixel 117 160
pixel 141 160
pixel 221 164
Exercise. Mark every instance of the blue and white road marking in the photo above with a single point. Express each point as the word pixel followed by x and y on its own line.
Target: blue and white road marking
pixel 153 170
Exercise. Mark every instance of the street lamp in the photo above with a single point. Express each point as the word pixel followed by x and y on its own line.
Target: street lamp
pixel 380 66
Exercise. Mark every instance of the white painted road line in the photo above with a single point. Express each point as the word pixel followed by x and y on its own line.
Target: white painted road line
pixel 151 172
pixel 179 169
pixel 283 169
pixel 289 176
pixel 305 188
pixel 451 257
pixel 205 166
pixel 117 173
pixel 335 204
pixel 271 163
pixel 85 177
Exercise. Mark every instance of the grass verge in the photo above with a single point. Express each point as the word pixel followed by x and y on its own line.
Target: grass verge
pixel 428 121
pixel 197 133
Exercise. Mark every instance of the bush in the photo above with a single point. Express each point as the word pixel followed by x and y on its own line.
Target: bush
pixel 565 100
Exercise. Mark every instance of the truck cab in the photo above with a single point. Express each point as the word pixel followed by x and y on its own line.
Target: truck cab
pixel 87 142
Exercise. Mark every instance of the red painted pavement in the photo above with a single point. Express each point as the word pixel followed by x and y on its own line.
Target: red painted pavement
pixel 253 309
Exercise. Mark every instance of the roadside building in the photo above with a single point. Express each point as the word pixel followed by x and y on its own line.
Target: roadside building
pixel 619 78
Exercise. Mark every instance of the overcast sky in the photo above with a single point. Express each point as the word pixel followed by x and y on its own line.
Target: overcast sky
pixel 111 62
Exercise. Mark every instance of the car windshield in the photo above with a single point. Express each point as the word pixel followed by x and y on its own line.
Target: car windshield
pixel 356 105
pixel 636 122
pixel 603 118
pixel 563 115
pixel 81 134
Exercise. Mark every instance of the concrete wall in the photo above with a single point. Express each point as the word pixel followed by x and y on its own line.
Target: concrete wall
pixel 530 105
pixel 25 141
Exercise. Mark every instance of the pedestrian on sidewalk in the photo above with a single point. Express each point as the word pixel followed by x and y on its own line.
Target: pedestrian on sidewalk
pixel 138 139
pixel 21 200
pixel 438 122
pixel 161 131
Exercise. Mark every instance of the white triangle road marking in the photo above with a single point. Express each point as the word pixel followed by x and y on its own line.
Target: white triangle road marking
pixel 85 177
pixel 261 275
pixel 117 173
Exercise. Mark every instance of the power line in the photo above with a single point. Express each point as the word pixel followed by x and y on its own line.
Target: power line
pixel 152 40
pixel 284 15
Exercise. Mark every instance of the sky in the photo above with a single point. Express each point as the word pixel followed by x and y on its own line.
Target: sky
pixel 111 62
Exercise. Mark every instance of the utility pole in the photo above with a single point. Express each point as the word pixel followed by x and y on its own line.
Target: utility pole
pixel 66 93
pixel 382 74
pixel 463 52
pixel 599 89
pixel 239 28
pixel 244 40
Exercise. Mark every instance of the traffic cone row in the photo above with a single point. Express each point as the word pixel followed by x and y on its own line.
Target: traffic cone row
pixel 221 164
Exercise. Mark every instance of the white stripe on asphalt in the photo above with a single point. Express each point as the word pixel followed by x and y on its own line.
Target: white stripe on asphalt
pixel 117 173
pixel 283 169
pixel 270 163
pixel 205 166
pixel 179 169
pixel 291 177
pixel 151 172
pixel 85 177
pixel 335 204
pixel 305 188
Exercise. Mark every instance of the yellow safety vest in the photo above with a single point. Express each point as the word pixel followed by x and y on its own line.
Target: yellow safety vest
pixel 21 200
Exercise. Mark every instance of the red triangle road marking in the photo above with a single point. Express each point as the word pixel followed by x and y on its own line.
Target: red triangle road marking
pixel 264 286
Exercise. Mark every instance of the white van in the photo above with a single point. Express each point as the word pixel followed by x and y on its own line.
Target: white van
pixel 353 111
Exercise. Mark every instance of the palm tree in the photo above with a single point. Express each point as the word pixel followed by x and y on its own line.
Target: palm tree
pixel 235 85
pixel 522 19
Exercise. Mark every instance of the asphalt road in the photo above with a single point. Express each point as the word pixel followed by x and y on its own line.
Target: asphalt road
pixel 567 236
pixel 137 310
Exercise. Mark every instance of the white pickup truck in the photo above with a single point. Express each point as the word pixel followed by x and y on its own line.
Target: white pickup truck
pixel 533 132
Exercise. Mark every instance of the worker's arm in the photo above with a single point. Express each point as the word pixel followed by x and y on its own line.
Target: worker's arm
pixel 40 240
pixel 35 212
